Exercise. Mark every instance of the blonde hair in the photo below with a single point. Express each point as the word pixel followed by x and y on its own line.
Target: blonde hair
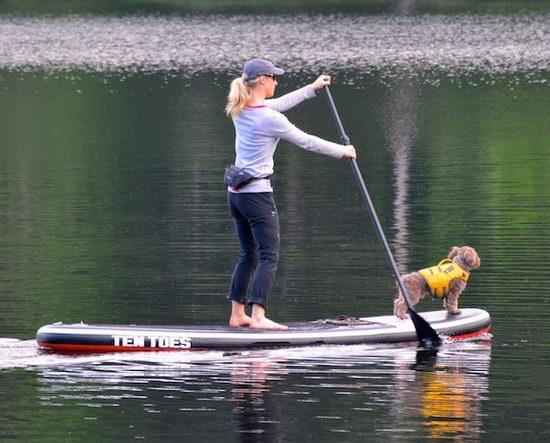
pixel 239 93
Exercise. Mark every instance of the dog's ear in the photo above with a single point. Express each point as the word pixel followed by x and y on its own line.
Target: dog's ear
pixel 474 258
pixel 469 257
pixel 453 252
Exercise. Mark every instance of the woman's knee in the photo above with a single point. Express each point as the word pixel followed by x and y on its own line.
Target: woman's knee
pixel 269 258
pixel 249 257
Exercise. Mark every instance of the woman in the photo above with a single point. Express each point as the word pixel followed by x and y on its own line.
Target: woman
pixel 259 124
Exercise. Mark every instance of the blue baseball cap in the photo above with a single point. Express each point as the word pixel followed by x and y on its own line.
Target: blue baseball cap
pixel 257 67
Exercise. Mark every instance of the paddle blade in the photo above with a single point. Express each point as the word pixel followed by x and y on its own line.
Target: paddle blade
pixel 427 336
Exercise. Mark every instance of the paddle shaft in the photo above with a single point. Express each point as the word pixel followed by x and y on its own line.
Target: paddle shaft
pixel 425 332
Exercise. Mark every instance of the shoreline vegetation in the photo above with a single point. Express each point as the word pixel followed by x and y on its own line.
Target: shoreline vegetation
pixel 108 7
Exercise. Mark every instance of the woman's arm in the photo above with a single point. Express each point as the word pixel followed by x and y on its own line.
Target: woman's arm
pixel 281 128
pixel 292 99
pixel 288 101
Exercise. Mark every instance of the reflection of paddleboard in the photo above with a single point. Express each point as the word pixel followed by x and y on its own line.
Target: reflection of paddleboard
pixel 81 337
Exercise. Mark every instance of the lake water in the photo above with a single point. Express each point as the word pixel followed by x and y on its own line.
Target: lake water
pixel 112 210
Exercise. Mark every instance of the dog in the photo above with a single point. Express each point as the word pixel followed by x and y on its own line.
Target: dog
pixel 446 281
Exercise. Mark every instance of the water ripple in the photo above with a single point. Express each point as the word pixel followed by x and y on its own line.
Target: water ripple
pixel 396 46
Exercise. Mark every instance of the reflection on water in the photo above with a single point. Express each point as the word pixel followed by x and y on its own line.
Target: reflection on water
pixel 389 391
pixel 402 131
pixel 255 410
pixel 448 398
pixel 396 45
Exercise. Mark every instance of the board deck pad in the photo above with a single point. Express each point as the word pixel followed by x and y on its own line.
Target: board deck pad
pixel 81 337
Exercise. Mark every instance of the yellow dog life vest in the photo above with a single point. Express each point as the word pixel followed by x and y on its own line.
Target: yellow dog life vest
pixel 439 277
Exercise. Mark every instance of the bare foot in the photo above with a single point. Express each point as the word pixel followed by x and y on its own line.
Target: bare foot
pixel 265 323
pixel 237 321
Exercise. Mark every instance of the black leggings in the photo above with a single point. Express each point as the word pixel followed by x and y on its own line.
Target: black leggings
pixel 257 223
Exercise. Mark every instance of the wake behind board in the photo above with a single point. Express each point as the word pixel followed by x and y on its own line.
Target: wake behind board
pixel 82 337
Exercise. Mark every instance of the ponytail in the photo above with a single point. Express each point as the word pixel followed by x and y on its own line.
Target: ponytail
pixel 237 98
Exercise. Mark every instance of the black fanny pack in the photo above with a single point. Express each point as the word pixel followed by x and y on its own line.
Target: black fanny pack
pixel 237 178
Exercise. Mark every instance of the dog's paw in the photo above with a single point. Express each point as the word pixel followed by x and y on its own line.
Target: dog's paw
pixel 399 309
pixel 455 312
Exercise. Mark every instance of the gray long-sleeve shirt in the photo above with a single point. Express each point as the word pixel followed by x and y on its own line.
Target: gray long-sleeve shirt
pixel 258 130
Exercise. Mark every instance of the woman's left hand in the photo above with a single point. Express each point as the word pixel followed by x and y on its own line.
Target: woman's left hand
pixel 321 82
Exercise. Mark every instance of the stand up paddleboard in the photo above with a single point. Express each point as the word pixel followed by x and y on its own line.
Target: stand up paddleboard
pixel 82 337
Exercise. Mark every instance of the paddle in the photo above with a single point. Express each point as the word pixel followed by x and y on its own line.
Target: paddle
pixel 424 332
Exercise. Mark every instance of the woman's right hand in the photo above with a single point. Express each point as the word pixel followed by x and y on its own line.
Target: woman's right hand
pixel 350 152
pixel 321 82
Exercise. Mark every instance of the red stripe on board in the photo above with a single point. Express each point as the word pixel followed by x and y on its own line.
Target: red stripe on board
pixel 470 334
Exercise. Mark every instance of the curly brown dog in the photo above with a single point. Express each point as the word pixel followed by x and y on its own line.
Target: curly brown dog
pixel 445 281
